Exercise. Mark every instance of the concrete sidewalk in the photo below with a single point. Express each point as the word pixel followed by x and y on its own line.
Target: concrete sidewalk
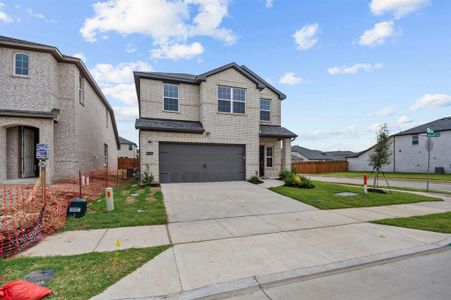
pixel 100 240
pixel 435 186
pixel 194 265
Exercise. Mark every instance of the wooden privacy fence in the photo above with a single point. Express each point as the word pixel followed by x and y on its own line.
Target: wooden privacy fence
pixel 127 163
pixel 317 167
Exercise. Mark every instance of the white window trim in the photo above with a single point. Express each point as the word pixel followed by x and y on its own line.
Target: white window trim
pixel 231 100
pixel 269 156
pixel 14 65
pixel 81 88
pixel 178 99
pixel 269 110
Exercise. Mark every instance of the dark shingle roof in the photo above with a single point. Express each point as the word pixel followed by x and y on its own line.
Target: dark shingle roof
pixel 437 125
pixel 339 155
pixel 125 141
pixel 169 125
pixel 276 132
pixel 310 154
pixel 197 79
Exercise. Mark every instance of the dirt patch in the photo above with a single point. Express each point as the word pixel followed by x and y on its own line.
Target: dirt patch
pixel 131 199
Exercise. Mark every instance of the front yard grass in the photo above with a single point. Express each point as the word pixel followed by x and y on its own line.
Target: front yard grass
pixel 323 196
pixel 436 222
pixel 392 175
pixel 80 276
pixel 145 209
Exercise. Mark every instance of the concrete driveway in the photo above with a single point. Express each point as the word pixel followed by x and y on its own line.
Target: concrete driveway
pixel 218 200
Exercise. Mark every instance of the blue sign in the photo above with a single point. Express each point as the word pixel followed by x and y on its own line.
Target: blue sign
pixel 42 151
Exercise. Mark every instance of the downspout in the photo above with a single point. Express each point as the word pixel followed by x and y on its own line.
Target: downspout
pixel 394 154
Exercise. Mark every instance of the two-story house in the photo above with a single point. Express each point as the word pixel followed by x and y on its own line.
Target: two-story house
pixel 128 148
pixel 50 98
pixel 221 125
pixel 409 151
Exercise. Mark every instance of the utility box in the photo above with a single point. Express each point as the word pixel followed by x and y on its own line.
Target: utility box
pixel 77 208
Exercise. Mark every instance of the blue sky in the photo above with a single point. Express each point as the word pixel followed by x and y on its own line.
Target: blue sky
pixel 345 65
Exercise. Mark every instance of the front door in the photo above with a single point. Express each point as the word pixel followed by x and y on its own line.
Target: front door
pixel 262 161
pixel 28 140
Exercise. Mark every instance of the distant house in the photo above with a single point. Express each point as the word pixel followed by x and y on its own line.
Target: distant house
pixel 128 148
pixel 50 98
pixel 299 153
pixel 408 150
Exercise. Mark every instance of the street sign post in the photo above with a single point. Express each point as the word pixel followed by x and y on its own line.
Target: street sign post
pixel 429 146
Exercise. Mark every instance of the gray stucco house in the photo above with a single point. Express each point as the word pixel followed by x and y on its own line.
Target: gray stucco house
pixel 408 150
pixel 128 148
pixel 222 125
pixel 50 98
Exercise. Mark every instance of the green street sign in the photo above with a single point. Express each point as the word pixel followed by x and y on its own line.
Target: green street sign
pixel 433 134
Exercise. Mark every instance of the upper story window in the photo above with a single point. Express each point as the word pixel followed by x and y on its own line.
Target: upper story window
pixel 170 97
pixel 81 90
pixel 231 100
pixel 130 147
pixel 415 139
pixel 265 110
pixel 21 64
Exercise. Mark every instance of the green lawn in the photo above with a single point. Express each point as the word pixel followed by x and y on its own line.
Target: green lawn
pixel 435 222
pixel 80 276
pixel 402 188
pixel 392 175
pixel 145 209
pixel 323 196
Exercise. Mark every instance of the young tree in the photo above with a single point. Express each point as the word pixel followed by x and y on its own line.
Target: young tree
pixel 380 156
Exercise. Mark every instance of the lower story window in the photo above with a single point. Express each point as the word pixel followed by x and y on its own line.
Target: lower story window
pixel 269 157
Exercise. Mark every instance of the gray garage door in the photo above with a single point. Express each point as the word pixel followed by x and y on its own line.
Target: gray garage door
pixel 182 162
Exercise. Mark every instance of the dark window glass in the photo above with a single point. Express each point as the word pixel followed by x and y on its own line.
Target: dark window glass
pixel 415 139
pixel 224 92
pixel 130 147
pixel 265 104
pixel 239 94
pixel 269 157
pixel 171 104
pixel 21 64
pixel 264 115
pixel 171 91
pixel 239 107
pixel 223 106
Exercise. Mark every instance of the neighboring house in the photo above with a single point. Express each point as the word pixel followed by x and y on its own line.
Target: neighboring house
pixel 128 148
pixel 408 150
pixel 299 153
pixel 49 98
pixel 339 155
pixel 221 125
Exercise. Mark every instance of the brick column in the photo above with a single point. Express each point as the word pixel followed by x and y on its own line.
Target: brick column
pixel 286 154
pixel 2 153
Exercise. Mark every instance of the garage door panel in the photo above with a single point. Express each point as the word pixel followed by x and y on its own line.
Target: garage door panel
pixel 201 162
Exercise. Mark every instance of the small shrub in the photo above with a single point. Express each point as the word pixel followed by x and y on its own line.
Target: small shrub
pixel 289 179
pixel 293 180
pixel 284 174
pixel 146 177
pixel 305 183
pixel 255 180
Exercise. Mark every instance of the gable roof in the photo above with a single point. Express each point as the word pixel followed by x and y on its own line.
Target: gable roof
pixel 441 124
pixel 27 45
pixel 310 154
pixel 123 141
pixel 197 79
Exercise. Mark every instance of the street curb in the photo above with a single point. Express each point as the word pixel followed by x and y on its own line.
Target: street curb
pixel 250 284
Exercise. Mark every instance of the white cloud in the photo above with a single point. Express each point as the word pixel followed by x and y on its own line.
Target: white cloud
pixel 353 69
pixel 167 22
pixel 347 132
pixel 120 73
pixel 378 34
pixel 290 78
pixel 116 81
pixel 385 111
pixel 268 3
pixel 431 100
pixel 403 120
pixel 130 48
pixel 178 51
pixel 125 113
pixel 4 17
pixel 40 16
pixel 124 92
pixel 81 56
pixel 306 37
pixel 374 127
pixel 399 8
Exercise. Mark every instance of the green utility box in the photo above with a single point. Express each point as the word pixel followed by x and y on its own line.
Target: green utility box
pixel 77 208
